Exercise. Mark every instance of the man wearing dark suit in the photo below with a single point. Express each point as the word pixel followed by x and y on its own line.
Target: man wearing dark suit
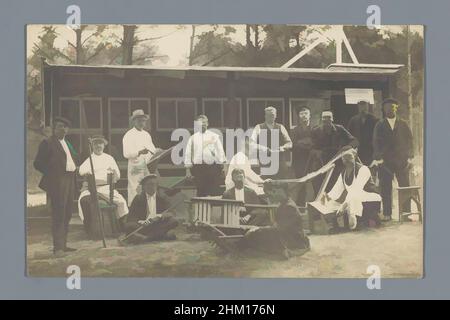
pixel 393 153
pixel 56 160
pixel 147 210
pixel 248 196
pixel 361 126
pixel 302 145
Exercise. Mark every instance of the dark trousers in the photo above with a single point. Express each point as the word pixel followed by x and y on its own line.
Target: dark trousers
pixel 386 175
pixel 157 230
pixel 208 179
pixel 61 200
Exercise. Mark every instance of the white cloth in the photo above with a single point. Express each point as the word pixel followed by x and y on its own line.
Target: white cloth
pixel 70 164
pixel 241 161
pixel 133 142
pixel 391 122
pixel 151 206
pixel 103 164
pixel 204 148
pixel 239 194
pixel 356 194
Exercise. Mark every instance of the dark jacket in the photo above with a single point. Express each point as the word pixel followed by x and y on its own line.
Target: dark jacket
pixel 250 195
pixel 363 131
pixel 138 208
pixel 395 147
pixel 290 225
pixel 302 145
pixel 329 143
pixel 51 162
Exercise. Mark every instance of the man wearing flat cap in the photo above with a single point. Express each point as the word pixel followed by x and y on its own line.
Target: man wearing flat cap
pixel 103 164
pixel 56 160
pixel 139 149
pixel 147 209
pixel 393 153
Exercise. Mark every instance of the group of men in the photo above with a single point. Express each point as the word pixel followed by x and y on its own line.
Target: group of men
pixel 385 143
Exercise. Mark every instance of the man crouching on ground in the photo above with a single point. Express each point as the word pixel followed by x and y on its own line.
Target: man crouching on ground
pixel 148 209
pixel 288 234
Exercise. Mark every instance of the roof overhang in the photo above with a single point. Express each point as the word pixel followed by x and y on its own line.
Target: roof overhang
pixel 343 71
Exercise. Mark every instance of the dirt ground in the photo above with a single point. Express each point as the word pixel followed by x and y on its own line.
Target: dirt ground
pixel 395 248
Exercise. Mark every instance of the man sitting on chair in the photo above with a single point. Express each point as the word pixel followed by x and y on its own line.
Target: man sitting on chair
pixel 148 209
pixel 103 165
pixel 362 202
pixel 243 193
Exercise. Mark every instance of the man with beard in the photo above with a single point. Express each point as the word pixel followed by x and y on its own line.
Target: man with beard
pixel 393 153
pixel 302 145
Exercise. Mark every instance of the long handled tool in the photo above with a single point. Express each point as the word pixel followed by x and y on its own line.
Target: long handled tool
pixel 124 238
pixel 94 197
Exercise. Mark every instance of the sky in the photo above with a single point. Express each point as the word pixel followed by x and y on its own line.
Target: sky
pixel 176 41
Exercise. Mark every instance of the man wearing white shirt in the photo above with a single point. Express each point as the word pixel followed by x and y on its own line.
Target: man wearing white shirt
pixel 138 148
pixel 103 165
pixel 56 160
pixel 204 159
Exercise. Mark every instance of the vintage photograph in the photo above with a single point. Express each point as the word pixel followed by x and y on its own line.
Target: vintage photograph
pixel 231 151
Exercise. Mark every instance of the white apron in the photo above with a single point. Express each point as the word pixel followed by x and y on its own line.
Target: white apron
pixel 133 142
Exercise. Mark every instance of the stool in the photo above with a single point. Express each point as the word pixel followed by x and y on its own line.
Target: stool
pixel 407 194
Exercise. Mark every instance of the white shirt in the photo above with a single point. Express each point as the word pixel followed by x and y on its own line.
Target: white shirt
pixel 151 206
pixel 103 164
pixel 239 194
pixel 135 141
pixel 391 122
pixel 70 164
pixel 204 148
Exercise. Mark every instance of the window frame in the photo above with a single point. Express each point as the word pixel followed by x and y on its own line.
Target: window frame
pixel 80 131
pixel 177 99
pixel 223 100
pixel 279 119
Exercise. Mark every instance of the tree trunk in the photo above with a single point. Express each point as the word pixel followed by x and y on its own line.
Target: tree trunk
pixel 128 44
pixel 191 47
pixel 248 36
pixel 79 59
pixel 256 44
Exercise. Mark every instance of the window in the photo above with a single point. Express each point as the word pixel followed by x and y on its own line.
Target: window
pixel 316 105
pixel 222 113
pixel 86 117
pixel 256 106
pixel 174 113
pixel 120 110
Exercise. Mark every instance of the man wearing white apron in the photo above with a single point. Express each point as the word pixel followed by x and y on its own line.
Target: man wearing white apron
pixel 138 148
pixel 103 165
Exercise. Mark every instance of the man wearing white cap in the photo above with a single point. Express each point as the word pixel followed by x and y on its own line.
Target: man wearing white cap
pixel 103 165
pixel 328 139
pixel 138 148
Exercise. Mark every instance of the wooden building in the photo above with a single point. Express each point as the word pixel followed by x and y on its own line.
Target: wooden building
pixel 232 97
